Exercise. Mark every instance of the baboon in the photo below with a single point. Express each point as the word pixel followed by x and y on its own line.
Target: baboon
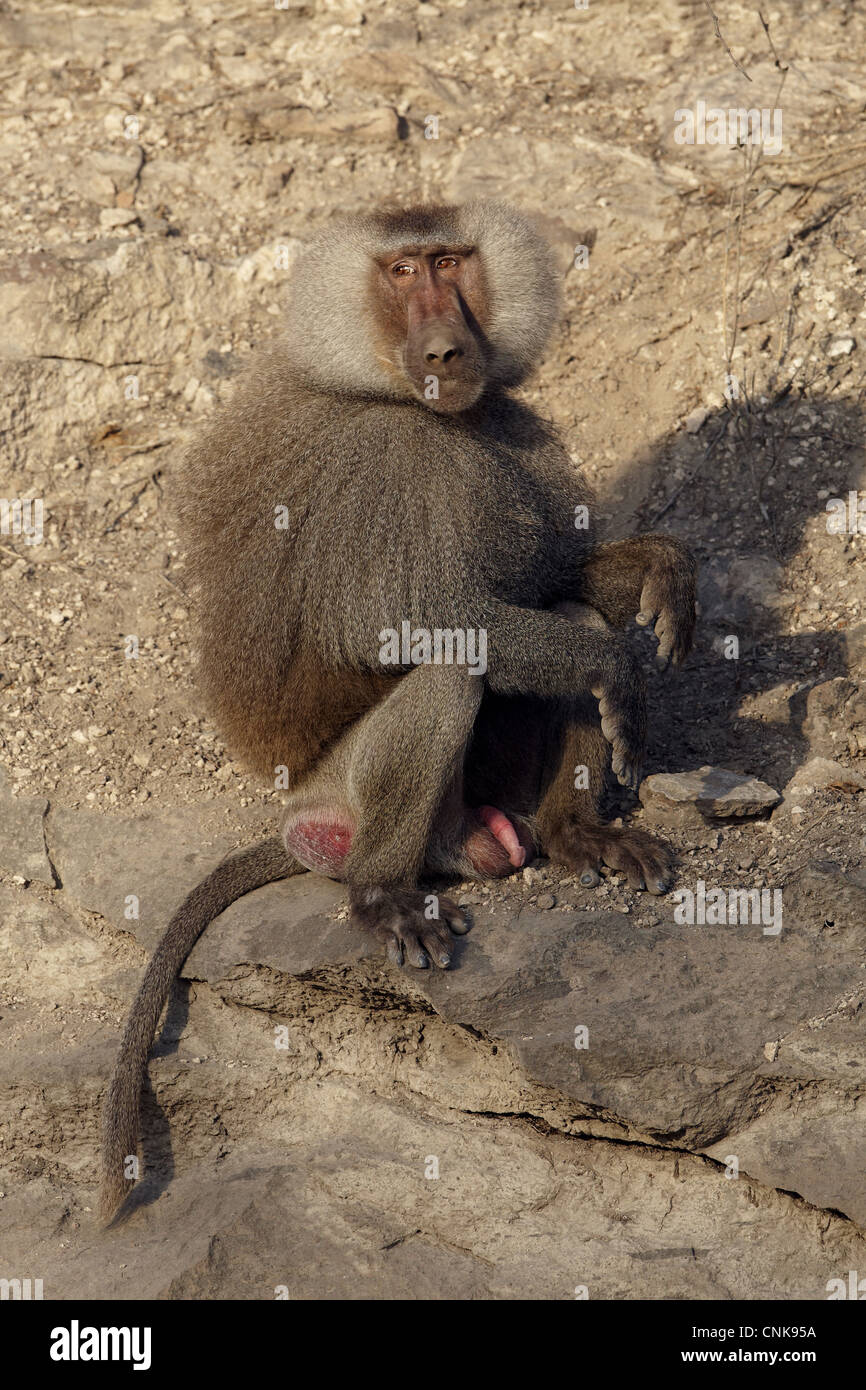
pixel 374 476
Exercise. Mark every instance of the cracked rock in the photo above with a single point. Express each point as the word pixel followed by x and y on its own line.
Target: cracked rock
pixel 22 839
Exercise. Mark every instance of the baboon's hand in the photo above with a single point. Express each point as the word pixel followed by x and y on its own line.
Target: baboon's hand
pixel 668 596
pixel 621 695
pixel 400 919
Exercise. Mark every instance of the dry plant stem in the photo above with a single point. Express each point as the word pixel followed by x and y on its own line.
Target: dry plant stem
pixel 739 405
pixel 776 58
pixel 718 33
pixel 730 346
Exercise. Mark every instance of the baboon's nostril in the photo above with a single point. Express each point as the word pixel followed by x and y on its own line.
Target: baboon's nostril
pixel 441 347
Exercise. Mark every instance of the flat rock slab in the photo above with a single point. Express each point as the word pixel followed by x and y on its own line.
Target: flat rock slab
pixel 684 1035
pixel 692 1032
pixel 712 792
pixel 342 1208
pixel 676 1015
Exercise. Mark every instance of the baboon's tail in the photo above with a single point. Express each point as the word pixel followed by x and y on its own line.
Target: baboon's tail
pixel 235 876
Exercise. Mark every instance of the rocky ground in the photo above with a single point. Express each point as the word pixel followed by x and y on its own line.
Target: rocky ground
pixel 162 167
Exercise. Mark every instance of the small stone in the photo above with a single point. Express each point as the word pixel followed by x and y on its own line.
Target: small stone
pixel 695 420
pixel 546 901
pixel 676 797
pixel 276 179
pixel 98 188
pixel 121 165
pixel 822 774
pixel 842 346
pixel 117 217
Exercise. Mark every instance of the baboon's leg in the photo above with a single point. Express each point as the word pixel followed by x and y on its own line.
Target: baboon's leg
pixel 570 828
pixel 545 763
pixel 367 810
pixel 388 802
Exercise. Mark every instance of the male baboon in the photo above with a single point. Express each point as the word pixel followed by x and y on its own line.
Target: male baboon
pixel 373 472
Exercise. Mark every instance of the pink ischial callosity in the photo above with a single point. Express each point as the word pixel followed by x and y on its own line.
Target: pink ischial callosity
pixel 320 845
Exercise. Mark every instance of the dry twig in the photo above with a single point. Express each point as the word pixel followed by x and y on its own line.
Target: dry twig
pixel 718 33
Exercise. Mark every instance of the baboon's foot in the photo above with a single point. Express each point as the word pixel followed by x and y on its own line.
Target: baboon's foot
pixel 647 863
pixel 402 921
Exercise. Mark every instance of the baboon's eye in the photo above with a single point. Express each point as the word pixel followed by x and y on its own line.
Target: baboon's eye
pixel 444 262
pixel 402 268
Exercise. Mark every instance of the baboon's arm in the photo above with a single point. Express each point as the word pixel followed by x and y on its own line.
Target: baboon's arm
pixel 538 652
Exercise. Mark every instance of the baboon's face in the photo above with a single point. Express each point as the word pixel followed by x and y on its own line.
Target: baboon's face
pixel 430 306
